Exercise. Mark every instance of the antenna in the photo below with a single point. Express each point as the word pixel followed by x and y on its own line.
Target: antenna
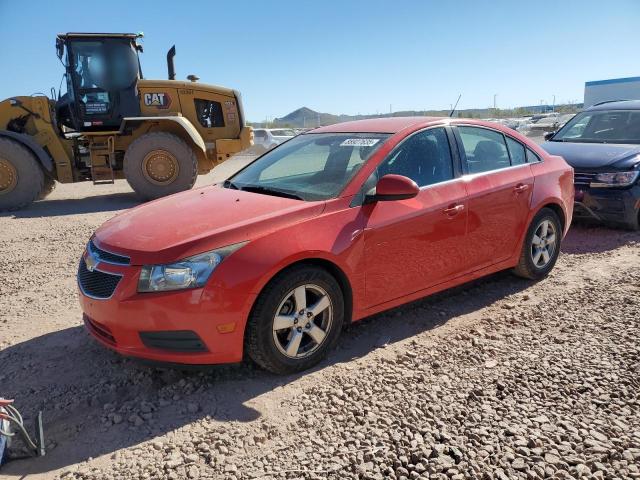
pixel 455 106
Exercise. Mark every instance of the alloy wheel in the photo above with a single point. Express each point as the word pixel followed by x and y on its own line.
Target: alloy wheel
pixel 544 243
pixel 302 321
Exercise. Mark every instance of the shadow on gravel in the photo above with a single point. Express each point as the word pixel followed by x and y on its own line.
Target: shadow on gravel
pixel 586 237
pixel 77 383
pixel 74 206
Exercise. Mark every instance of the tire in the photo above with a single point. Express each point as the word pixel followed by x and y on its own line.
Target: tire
pixel 181 176
pixel 267 346
pixel 533 263
pixel 635 226
pixel 48 187
pixel 21 178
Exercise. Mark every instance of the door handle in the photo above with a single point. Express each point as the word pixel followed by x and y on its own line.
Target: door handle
pixel 453 210
pixel 521 188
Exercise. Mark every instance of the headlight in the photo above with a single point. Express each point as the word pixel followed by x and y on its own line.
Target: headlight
pixel 616 179
pixel 192 272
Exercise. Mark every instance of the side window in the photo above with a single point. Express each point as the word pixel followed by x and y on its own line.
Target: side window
pixel 209 113
pixel 484 149
pixel 532 157
pixel 259 134
pixel 516 150
pixel 425 158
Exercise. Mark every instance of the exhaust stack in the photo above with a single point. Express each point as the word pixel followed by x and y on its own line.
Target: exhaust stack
pixel 170 65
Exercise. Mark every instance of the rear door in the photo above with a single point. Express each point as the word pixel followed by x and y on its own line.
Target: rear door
pixel 413 244
pixel 499 187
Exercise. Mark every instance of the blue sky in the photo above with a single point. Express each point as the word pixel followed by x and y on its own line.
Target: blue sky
pixel 358 56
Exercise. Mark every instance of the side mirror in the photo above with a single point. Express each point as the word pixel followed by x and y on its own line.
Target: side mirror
pixel 392 187
pixel 549 135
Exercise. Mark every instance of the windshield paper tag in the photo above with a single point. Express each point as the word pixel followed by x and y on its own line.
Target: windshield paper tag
pixel 359 142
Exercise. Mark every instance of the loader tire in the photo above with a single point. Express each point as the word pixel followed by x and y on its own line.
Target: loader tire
pixel 48 187
pixel 21 177
pixel 159 164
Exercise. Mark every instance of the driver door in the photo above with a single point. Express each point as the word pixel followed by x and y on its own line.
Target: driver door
pixel 417 243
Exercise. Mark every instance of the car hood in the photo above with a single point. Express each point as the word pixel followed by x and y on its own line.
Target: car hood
pixel 594 155
pixel 197 221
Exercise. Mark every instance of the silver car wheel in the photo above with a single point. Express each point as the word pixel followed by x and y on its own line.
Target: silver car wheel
pixel 544 244
pixel 302 321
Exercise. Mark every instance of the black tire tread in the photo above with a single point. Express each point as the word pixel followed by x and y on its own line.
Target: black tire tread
pixel 257 350
pixel 30 176
pixel 48 187
pixel 524 269
pixel 133 162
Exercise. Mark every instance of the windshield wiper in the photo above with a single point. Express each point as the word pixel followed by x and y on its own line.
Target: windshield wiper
pixel 270 191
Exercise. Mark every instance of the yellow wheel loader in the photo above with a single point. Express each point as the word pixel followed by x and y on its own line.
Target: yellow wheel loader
pixel 113 123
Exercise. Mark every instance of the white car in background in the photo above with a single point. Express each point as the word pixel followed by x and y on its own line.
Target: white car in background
pixel 271 137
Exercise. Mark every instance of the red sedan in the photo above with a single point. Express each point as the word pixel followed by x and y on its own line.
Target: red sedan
pixel 326 229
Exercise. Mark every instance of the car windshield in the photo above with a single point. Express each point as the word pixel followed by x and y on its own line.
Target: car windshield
pixel 602 126
pixel 313 166
pixel 283 133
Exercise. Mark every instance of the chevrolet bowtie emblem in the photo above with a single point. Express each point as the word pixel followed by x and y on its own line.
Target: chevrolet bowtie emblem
pixel 91 262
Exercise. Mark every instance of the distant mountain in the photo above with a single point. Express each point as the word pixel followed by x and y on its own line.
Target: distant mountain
pixel 305 117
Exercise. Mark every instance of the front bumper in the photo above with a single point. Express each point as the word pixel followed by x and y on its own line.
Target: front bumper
pixel 216 317
pixel 608 205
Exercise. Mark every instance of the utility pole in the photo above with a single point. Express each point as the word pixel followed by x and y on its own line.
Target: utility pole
pixel 390 109
pixel 553 108
pixel 494 101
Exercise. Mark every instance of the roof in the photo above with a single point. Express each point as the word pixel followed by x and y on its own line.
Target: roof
pixel 395 125
pixel 379 125
pixel 617 105
pixel 100 35
pixel 611 81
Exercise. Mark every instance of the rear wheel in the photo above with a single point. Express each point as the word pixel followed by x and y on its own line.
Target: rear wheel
pixel 295 321
pixel 159 164
pixel 541 246
pixel 21 177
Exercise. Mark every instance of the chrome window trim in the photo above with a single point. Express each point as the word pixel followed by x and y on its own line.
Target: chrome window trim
pixel 471 176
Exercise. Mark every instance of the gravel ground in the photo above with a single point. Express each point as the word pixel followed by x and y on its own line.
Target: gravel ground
pixel 498 379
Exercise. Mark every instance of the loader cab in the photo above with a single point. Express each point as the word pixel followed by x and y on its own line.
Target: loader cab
pixel 102 73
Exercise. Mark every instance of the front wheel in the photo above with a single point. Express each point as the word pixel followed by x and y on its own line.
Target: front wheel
pixel 21 177
pixel 159 164
pixel 541 246
pixel 295 321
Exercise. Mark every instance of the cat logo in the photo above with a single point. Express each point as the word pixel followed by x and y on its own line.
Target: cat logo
pixel 159 100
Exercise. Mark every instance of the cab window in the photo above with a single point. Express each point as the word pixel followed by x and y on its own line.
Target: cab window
pixel 209 113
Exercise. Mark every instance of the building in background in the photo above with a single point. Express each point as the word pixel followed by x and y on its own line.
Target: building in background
pixel 614 89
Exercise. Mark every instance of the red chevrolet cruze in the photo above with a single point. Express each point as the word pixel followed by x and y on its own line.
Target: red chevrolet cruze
pixel 329 227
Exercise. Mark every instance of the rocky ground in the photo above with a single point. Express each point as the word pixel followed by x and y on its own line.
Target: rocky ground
pixel 498 379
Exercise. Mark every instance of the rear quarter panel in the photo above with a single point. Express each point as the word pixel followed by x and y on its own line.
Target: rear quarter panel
pixel 553 184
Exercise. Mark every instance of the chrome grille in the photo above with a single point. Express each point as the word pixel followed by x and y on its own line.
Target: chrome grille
pixel 104 256
pixel 583 179
pixel 96 284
